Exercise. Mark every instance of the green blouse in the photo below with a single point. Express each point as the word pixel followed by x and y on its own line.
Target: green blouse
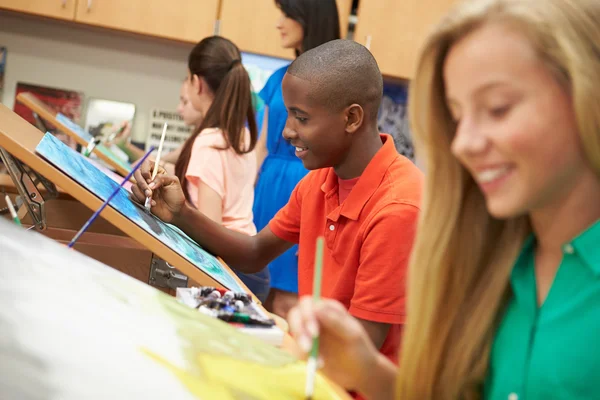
pixel 552 351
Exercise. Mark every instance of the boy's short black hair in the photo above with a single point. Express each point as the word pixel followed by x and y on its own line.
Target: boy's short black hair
pixel 342 72
pixel 319 19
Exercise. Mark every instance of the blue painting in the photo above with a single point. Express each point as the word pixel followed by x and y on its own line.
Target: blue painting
pixel 78 168
pixel 79 131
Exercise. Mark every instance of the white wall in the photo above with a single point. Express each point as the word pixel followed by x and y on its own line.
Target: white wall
pixel 99 63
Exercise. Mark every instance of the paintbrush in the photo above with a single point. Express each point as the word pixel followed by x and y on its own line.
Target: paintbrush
pixel 115 134
pixel 160 146
pixel 113 194
pixel 311 365
pixel 11 209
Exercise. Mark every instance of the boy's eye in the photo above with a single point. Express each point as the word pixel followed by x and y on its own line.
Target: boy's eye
pixel 301 119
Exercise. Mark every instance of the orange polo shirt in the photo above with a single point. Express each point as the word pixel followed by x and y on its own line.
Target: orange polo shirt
pixel 368 237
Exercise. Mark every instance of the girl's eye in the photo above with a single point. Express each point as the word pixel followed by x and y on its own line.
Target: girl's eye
pixel 499 112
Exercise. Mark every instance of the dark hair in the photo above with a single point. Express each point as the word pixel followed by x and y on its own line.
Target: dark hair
pixel 319 19
pixel 218 61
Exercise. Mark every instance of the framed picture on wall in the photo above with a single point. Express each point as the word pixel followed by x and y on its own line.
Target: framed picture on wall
pixel 2 66
pixel 64 101
pixel 103 116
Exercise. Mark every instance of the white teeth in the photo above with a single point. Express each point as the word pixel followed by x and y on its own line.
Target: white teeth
pixel 489 175
pixel 298 149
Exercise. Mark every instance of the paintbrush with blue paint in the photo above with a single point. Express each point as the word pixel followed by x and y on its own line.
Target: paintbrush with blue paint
pixel 113 194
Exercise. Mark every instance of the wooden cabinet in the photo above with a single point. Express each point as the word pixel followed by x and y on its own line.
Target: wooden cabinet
pixel 251 24
pixel 185 20
pixel 396 30
pixel 61 9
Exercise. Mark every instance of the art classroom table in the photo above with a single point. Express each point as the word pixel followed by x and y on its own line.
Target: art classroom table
pixel 111 337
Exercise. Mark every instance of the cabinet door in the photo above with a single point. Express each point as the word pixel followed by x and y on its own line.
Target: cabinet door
pixel 396 30
pixel 251 24
pixel 62 9
pixel 185 20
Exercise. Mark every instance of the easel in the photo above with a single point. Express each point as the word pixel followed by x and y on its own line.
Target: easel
pixel 165 268
pixel 42 112
pixel 26 182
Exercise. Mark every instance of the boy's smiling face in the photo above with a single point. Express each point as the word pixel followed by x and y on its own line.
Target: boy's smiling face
pixel 319 134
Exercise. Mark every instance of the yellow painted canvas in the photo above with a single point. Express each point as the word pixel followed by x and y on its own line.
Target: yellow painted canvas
pixel 72 328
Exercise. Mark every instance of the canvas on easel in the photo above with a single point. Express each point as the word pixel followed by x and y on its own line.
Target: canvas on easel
pixel 87 175
pixel 20 139
pixel 68 126
pixel 74 329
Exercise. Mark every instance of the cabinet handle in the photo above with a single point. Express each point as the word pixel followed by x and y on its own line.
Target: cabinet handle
pixel 368 42
pixel 89 5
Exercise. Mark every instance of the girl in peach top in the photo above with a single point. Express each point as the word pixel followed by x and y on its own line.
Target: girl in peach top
pixel 217 164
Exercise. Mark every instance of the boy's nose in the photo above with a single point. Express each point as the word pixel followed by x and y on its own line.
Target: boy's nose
pixel 289 134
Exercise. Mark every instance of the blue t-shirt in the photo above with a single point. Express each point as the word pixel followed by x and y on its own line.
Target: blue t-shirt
pixel 277 116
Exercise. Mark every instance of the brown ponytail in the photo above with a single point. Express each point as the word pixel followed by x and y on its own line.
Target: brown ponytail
pixel 218 61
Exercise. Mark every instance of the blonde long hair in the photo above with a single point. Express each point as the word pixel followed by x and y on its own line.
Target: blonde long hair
pixel 462 257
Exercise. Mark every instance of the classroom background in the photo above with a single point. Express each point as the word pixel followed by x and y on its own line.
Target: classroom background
pixel 107 50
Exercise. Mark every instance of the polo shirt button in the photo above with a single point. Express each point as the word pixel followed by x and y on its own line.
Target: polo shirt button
pixel 568 248
pixel 331 227
pixel 513 396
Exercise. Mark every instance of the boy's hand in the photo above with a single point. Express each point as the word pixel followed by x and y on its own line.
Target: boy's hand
pixel 349 357
pixel 167 196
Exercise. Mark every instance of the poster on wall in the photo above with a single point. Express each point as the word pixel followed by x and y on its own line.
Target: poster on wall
pixel 2 66
pixel 102 117
pixel 393 118
pixel 177 130
pixel 64 101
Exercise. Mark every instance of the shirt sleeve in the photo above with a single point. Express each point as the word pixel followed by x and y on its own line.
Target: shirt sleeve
pixel 380 286
pixel 206 165
pixel 286 223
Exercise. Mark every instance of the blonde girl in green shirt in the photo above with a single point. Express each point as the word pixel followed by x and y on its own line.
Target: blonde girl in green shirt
pixel 504 289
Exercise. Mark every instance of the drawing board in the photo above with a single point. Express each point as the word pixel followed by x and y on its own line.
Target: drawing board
pixel 78 168
pixel 73 130
pixel 20 139
pixel 73 328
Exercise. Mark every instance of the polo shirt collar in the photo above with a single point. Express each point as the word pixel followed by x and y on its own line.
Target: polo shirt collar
pixel 587 247
pixel 368 182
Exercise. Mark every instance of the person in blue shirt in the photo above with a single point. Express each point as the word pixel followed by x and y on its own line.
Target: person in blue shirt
pixel 504 281
pixel 303 25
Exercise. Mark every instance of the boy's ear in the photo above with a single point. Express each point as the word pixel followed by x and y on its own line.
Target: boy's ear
pixel 354 117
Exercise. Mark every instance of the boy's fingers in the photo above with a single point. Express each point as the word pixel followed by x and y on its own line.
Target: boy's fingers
pixel 140 180
pixel 145 170
pixel 137 194
pixel 163 180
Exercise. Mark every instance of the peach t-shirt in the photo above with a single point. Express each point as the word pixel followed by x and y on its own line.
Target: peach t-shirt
pixel 229 174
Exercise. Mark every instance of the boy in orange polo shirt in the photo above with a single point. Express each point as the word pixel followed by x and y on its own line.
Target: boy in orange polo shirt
pixel 361 195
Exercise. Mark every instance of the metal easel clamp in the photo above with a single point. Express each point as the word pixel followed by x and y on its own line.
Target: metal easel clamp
pixel 26 181
pixel 162 274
